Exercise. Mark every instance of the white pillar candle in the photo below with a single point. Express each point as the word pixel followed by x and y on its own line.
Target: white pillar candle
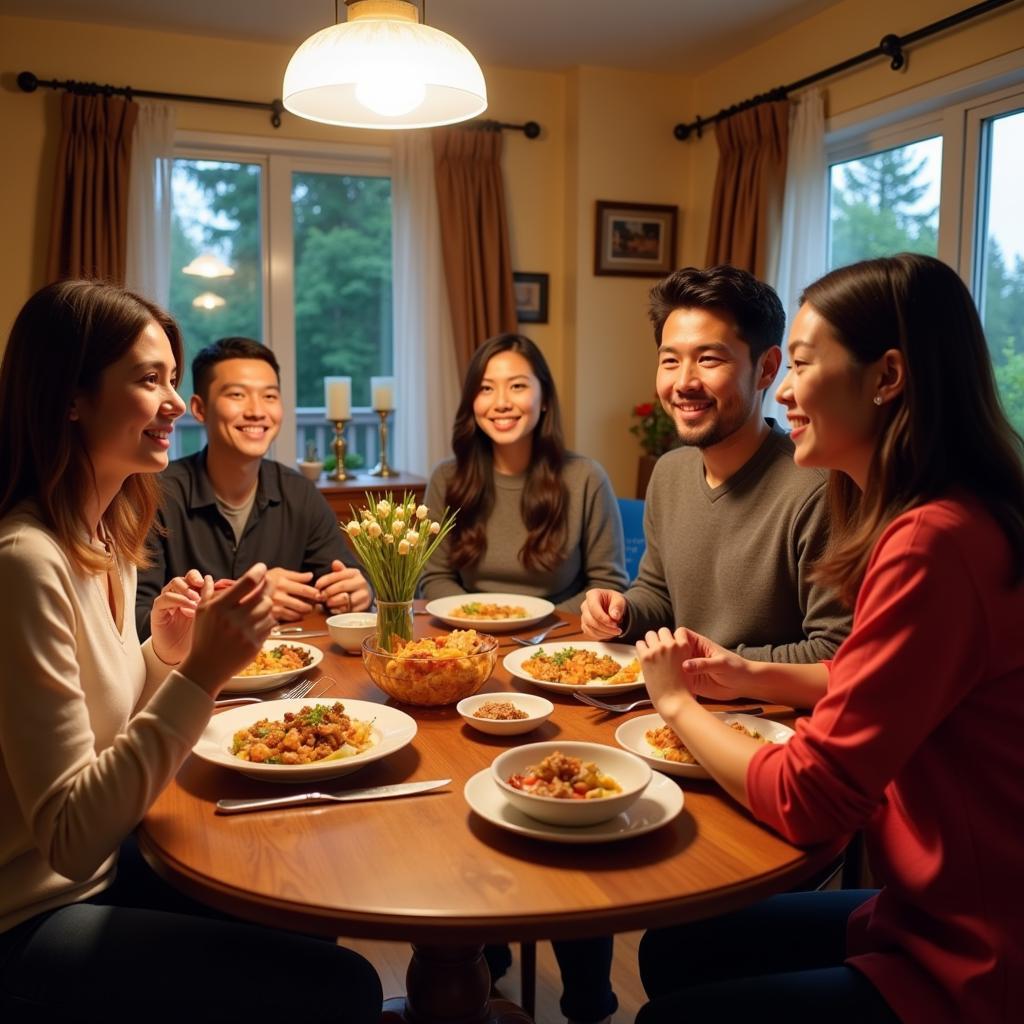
pixel 338 397
pixel 382 390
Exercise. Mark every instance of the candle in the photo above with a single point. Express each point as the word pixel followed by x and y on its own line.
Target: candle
pixel 338 397
pixel 383 391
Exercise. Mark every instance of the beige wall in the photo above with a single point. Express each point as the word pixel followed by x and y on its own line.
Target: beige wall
pixel 606 135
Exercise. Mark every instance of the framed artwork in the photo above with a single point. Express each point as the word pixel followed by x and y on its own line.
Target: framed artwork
pixel 635 239
pixel 531 298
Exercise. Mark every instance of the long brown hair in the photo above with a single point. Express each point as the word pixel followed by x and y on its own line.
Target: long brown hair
pixel 63 339
pixel 945 431
pixel 545 500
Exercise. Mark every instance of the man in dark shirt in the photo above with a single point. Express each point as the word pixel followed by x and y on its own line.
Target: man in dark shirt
pixel 228 507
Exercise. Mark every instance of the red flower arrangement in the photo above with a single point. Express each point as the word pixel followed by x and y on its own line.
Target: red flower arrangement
pixel 655 429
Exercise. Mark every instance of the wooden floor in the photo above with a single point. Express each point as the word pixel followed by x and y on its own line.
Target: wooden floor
pixel 392 958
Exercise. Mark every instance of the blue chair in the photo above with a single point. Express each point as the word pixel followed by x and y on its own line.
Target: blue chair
pixel 632 512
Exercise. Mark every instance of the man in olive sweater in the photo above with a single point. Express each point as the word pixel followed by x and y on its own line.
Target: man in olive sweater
pixel 732 525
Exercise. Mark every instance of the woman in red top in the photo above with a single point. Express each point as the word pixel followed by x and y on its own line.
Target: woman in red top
pixel 916 731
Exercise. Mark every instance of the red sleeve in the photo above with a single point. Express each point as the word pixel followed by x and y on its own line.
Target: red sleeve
pixel 909 660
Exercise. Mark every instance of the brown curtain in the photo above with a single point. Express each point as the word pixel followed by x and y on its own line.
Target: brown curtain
pixel 474 235
pixel 746 212
pixel 89 231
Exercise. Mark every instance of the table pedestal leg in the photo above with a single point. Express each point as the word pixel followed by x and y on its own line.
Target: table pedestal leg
pixel 450 985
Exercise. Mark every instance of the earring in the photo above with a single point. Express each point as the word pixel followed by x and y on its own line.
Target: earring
pixel 877 399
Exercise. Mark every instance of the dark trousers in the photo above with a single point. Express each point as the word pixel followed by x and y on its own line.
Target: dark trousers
pixel 779 960
pixel 585 965
pixel 142 951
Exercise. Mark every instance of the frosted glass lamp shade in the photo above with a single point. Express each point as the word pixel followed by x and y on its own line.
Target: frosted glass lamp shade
pixel 208 265
pixel 382 69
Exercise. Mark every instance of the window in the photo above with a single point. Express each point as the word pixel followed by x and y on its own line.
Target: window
pixel 884 203
pixel 941 176
pixel 299 241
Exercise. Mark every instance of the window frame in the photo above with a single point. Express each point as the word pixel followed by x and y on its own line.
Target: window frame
pixel 279 159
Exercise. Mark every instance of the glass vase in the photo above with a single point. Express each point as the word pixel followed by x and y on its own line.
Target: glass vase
pixel 394 619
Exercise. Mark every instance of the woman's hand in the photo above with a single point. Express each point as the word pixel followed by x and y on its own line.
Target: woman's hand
pixel 229 630
pixel 172 616
pixel 711 671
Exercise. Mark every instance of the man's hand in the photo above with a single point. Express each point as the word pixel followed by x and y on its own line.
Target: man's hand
pixel 229 629
pixel 172 616
pixel 292 593
pixel 343 589
pixel 602 613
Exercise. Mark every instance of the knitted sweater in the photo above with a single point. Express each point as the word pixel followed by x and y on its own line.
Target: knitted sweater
pixel 731 562
pixel 594 552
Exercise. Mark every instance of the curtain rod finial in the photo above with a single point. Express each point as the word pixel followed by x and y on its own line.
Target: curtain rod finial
pixel 27 82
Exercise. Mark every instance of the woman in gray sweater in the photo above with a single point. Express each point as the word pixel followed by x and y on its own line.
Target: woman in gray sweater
pixel 532 518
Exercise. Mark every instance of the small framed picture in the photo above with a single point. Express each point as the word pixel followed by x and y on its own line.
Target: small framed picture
pixel 635 239
pixel 531 298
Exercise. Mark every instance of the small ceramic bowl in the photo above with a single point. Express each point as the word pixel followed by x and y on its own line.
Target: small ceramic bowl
pixel 349 630
pixel 538 711
pixel 310 470
pixel 628 770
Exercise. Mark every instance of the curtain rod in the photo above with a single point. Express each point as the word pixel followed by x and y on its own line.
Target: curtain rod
pixel 890 46
pixel 29 82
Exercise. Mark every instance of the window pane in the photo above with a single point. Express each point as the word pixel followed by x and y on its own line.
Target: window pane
pixel 216 213
pixel 885 203
pixel 1001 292
pixel 342 282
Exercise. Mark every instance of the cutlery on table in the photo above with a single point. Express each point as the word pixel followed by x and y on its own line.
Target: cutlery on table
pixel 585 698
pixel 299 799
pixel 531 641
pixel 297 633
pixel 300 689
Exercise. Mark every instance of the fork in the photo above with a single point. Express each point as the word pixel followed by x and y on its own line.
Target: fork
pixel 585 698
pixel 300 689
pixel 531 641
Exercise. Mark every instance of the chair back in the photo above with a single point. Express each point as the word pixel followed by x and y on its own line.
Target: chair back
pixel 632 512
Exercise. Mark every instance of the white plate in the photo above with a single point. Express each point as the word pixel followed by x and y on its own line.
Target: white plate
pixel 537 609
pixel 622 653
pixel 537 709
pixel 271 681
pixel 392 729
pixel 630 735
pixel 659 803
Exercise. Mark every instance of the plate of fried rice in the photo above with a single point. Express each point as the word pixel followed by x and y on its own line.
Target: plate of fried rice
pixel 279 661
pixel 569 665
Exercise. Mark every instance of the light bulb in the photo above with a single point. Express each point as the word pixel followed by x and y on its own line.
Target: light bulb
pixel 390 94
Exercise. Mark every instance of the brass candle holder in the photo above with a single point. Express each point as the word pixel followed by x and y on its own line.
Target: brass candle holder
pixel 382 468
pixel 340 448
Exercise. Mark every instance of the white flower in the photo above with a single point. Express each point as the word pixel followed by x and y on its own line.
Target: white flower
pixel 413 538
pixel 435 528
pixel 388 539
pixel 403 547
pixel 374 529
pixel 422 512
pixel 383 508
pixel 398 527
pixel 353 529
pixel 365 513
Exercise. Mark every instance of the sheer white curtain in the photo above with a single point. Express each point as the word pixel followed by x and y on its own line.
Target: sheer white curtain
pixel 426 378
pixel 149 203
pixel 804 238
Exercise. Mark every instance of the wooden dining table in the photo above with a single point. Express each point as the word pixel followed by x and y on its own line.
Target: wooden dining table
pixel 430 871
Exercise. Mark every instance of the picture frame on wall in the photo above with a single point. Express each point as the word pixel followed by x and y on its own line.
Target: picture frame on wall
pixel 531 298
pixel 634 239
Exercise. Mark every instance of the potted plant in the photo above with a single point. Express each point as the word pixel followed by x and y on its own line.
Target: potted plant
pixel 657 434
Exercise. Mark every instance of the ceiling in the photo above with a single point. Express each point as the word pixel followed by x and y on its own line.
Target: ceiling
pixel 655 35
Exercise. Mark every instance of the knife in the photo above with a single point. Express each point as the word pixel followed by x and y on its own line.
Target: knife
pixel 298 799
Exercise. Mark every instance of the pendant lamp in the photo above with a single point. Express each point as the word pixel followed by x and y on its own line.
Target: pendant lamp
pixel 208 264
pixel 382 69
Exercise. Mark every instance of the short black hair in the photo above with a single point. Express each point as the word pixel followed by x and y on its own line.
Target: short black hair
pixel 227 348
pixel 753 305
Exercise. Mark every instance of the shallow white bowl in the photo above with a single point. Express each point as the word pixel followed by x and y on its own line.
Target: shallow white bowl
pixel 537 708
pixel 622 653
pixel 631 773
pixel 537 610
pixel 272 680
pixel 632 736
pixel 349 629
